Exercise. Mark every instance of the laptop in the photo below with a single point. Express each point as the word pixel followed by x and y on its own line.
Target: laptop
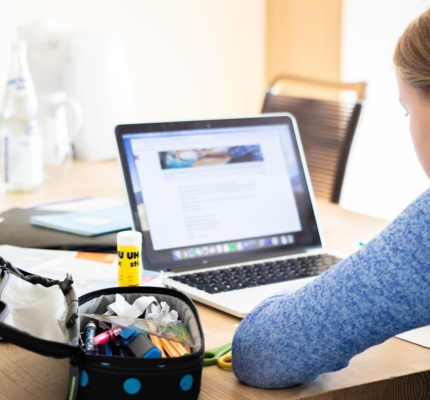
pixel 225 207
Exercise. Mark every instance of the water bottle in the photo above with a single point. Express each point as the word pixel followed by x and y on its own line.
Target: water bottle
pixel 21 152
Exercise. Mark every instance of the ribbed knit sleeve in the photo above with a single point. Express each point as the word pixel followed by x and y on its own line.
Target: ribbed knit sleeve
pixel 381 290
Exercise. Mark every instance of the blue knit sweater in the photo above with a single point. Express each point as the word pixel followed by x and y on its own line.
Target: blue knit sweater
pixel 381 290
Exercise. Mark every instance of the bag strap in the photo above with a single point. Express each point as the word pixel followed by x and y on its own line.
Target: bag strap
pixel 65 285
pixel 40 346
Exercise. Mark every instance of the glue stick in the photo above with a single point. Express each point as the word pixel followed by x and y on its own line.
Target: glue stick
pixel 129 246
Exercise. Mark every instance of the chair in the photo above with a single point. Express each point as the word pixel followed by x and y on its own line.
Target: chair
pixel 327 114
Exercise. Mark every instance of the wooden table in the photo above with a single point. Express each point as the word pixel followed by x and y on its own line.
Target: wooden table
pixel 395 369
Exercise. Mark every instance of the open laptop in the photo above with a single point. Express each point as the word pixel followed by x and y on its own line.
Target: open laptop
pixel 225 207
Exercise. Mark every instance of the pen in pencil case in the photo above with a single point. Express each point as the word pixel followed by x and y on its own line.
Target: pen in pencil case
pixel 175 331
pixel 107 349
pixel 89 333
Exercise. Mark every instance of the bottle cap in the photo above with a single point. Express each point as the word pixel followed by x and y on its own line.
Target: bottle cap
pixel 129 238
pixel 91 324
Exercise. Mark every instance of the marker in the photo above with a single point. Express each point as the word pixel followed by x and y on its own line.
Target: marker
pixel 139 344
pixel 105 336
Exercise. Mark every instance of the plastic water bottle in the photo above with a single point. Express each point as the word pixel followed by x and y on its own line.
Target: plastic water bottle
pixel 21 152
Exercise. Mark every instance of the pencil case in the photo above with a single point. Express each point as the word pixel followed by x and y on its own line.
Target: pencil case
pixel 26 299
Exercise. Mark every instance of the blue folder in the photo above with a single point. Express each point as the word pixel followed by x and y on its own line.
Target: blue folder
pixel 88 223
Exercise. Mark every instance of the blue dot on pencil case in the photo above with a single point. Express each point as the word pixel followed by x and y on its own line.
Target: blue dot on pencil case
pixel 105 364
pixel 132 386
pixel 186 382
pixel 83 381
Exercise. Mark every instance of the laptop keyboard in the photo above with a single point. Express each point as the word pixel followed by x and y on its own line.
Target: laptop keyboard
pixel 240 277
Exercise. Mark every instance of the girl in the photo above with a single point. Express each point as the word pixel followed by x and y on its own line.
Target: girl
pixel 376 293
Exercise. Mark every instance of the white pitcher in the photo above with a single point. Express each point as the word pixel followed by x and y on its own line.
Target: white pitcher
pixel 60 118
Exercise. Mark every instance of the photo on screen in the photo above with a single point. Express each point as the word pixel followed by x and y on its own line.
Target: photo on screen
pixel 213 156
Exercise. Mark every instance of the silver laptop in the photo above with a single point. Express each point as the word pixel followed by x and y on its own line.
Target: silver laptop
pixel 225 207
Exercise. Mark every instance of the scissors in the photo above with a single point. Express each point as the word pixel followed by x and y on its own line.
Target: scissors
pixel 219 355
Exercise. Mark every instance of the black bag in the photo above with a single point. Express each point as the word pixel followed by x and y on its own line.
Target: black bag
pixel 25 298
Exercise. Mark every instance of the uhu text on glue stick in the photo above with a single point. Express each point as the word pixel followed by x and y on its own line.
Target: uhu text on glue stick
pixel 129 246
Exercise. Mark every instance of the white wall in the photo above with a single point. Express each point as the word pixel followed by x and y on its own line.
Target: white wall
pixel 188 58
pixel 383 174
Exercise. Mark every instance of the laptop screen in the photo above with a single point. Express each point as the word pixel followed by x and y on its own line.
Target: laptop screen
pixel 218 191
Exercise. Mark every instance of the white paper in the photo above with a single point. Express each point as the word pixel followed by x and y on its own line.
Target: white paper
pixel 124 309
pixel 419 336
pixel 154 310
pixel 87 275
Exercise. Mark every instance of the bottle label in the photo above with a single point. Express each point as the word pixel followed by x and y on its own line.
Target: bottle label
pixel 18 84
pixel 23 161
pixel 129 265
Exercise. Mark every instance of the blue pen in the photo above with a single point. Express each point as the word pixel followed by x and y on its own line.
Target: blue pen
pixel 107 349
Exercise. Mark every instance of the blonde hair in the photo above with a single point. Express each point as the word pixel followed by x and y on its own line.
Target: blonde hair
pixel 412 54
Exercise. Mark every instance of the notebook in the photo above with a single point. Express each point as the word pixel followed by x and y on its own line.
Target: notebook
pixel 225 207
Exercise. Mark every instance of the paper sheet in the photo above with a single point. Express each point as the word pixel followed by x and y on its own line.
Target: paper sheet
pixel 90 271
pixel 419 336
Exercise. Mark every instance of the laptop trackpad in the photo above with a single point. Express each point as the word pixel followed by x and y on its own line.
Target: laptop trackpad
pixel 243 301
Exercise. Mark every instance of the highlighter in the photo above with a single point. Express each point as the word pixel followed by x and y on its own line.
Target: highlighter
pixel 105 336
pixel 139 344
